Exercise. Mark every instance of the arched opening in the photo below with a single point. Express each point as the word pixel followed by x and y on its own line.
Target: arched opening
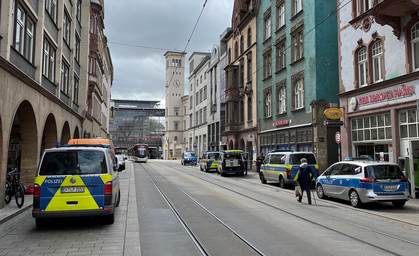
pixel 49 136
pixel 76 133
pixel 236 145
pixel 242 147
pixel 23 143
pixel 65 135
pixel 230 145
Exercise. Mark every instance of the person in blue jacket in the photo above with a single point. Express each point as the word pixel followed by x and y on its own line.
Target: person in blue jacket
pixel 305 176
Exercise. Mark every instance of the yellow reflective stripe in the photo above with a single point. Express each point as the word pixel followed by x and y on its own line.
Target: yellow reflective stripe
pixel 84 201
pixel 39 180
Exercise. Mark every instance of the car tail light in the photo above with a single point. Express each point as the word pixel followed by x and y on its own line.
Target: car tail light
pixel 404 179
pixel 108 188
pixel 288 172
pixel 368 180
pixel 318 172
pixel 36 191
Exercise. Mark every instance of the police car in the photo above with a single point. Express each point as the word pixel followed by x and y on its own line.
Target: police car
pixel 188 157
pixel 364 181
pixel 78 180
pixel 283 166
pixel 208 160
pixel 231 162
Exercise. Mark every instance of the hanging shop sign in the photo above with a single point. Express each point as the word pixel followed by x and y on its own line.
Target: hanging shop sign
pixel 333 113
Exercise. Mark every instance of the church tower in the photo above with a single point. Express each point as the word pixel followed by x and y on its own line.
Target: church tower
pixel 175 86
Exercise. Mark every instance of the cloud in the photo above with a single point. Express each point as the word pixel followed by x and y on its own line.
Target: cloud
pixel 140 32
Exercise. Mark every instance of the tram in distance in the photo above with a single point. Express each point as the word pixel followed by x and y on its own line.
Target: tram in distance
pixel 138 153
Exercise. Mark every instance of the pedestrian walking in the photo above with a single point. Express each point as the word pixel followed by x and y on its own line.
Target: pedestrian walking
pixel 259 161
pixel 305 176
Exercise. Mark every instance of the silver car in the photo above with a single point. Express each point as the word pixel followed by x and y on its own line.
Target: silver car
pixel 364 181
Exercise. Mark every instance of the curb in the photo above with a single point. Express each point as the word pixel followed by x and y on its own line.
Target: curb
pixel 11 216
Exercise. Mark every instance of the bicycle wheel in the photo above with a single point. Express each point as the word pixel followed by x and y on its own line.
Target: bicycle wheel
pixel 19 195
pixel 8 193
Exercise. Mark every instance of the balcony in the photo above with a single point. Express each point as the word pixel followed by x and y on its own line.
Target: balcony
pixel 232 128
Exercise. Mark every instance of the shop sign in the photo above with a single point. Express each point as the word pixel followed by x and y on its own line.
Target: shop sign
pixel 394 94
pixel 333 113
pixel 280 123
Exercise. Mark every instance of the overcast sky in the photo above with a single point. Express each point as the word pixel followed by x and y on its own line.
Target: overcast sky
pixel 139 32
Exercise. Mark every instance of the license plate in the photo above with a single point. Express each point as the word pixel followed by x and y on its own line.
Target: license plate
pixel 390 187
pixel 72 190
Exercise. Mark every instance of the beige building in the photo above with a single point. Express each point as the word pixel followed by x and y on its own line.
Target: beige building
pixel 55 79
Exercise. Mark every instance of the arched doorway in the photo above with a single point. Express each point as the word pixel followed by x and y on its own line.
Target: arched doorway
pixel 230 145
pixel 242 147
pixel 49 136
pixel 76 133
pixel 23 143
pixel 65 134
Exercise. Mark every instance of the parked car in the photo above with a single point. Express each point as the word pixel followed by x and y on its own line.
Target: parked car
pixel 364 181
pixel 76 180
pixel 121 162
pixel 231 162
pixel 208 160
pixel 188 157
pixel 283 166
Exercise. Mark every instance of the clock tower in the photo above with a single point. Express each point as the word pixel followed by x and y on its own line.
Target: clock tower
pixel 175 86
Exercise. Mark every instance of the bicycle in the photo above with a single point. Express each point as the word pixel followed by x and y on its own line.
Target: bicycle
pixel 14 188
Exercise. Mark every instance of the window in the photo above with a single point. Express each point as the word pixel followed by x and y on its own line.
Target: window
pixel 282 99
pixel 377 61
pixel 236 50
pixel 48 62
pixel 76 91
pixel 92 64
pixel 249 108
pixel 249 37
pixel 77 49
pixel 376 127
pixel 267 25
pixel 241 72
pixel 280 19
pixel 78 10
pixel 298 94
pixel 175 126
pixel 415 46
pixel 241 111
pixel 408 123
pixel 297 49
pixel 190 120
pixel 362 66
pixel 241 44
pixel 93 24
pixel 280 55
pixel 176 111
pixel 24 32
pixel 268 104
pixel 267 64
pixel 297 6
pixel 65 69
pixel 66 27
pixel 249 69
pixel 204 115
pixel 51 7
pixel 191 102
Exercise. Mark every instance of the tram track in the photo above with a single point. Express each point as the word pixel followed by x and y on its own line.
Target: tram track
pixel 184 223
pixel 347 222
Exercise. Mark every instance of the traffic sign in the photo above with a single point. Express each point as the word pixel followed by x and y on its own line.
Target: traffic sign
pixel 338 137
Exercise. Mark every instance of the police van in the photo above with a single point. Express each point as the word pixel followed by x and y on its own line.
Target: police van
pixel 209 160
pixel 282 167
pixel 76 180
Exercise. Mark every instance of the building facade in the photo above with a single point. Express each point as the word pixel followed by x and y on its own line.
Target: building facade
pixel 173 142
pixel 241 79
pixel 137 122
pixel 45 77
pixel 297 76
pixel 199 86
pixel 379 80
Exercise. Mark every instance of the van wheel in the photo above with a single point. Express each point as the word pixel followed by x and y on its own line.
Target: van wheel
pixel 354 199
pixel 320 191
pixel 118 199
pixel 262 178
pixel 398 204
pixel 41 223
pixel 109 219
pixel 281 182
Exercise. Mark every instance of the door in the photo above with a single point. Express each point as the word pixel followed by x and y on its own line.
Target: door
pixel 413 174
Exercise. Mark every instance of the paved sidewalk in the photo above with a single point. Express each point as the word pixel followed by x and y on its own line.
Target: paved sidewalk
pixel 128 208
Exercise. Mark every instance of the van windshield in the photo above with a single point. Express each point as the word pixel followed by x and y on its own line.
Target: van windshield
pixel 295 158
pixel 73 163
pixel 213 156
pixel 189 154
pixel 383 172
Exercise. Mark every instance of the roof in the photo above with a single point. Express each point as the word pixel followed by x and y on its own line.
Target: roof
pixel 366 162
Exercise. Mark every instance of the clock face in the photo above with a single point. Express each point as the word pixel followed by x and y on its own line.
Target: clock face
pixel 176 83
